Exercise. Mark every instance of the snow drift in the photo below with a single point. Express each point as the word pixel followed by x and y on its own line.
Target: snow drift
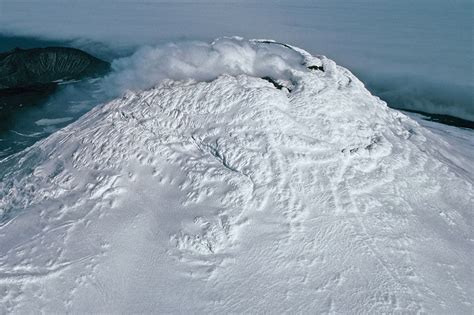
pixel 232 195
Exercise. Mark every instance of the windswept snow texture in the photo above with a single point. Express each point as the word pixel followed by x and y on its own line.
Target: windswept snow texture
pixel 235 196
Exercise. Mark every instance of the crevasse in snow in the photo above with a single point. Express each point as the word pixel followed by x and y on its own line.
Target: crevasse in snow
pixel 222 193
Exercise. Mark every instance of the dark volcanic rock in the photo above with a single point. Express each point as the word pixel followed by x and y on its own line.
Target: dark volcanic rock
pixel 32 67
pixel 275 83
pixel 320 68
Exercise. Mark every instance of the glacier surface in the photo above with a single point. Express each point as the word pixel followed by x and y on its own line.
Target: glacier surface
pixel 221 193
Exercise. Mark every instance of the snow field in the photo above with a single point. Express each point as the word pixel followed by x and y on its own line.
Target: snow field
pixel 230 195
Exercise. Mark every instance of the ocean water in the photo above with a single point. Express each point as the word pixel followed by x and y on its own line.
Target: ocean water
pixel 27 124
pixel 416 55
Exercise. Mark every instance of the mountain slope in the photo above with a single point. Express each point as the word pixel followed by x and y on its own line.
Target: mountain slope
pixel 235 196
pixel 22 68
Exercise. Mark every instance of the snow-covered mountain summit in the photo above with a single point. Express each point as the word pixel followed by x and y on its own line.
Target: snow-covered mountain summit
pixel 286 187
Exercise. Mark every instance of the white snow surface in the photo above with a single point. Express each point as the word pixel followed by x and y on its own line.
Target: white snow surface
pixel 230 195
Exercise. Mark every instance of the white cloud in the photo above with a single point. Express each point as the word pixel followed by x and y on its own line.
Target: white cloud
pixel 202 62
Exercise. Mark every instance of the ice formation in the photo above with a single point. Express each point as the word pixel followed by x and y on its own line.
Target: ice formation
pixel 222 193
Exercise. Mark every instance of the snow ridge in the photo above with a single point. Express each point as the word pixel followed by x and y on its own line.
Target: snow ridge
pixel 236 196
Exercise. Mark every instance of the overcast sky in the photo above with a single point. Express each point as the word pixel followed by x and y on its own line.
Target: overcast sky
pixel 427 43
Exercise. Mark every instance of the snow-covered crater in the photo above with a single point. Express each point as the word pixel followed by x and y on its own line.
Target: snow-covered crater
pixel 218 192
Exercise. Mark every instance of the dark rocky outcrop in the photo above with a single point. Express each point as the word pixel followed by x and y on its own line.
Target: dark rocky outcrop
pixel 319 68
pixel 32 67
pixel 275 83
pixel 27 76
